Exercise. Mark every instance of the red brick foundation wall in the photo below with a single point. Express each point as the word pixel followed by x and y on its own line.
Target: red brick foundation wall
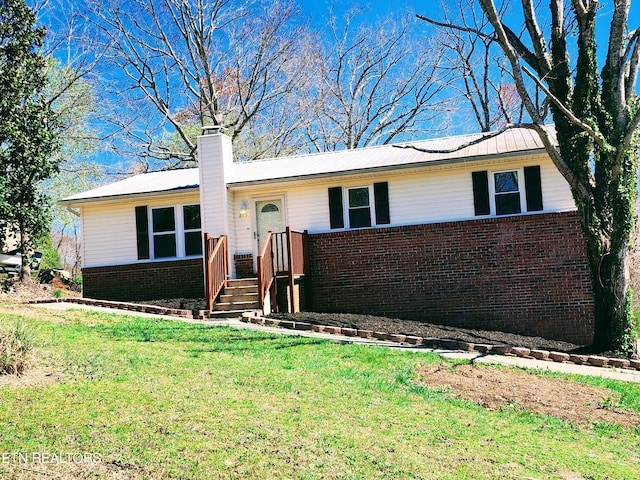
pixel 526 274
pixel 145 281
pixel 244 265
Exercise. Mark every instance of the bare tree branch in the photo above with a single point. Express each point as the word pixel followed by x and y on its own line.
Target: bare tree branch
pixel 597 136
pixel 199 63
pixel 374 85
pixel 482 138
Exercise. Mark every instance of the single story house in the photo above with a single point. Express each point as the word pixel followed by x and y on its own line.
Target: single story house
pixel 486 236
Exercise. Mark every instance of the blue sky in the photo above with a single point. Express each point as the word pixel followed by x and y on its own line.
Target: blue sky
pixel 373 10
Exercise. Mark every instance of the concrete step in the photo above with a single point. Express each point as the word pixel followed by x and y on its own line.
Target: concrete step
pixel 226 313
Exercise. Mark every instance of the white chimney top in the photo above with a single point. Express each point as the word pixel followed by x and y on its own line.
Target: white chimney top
pixel 211 129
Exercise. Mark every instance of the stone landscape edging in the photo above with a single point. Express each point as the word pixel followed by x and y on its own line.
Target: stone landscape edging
pixel 448 344
pixel 416 341
pixel 134 307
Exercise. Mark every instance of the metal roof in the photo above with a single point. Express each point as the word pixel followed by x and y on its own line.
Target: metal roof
pixel 386 157
pixel 155 182
pixel 516 141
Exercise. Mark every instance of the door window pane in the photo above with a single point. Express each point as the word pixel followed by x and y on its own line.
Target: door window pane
pixel 270 207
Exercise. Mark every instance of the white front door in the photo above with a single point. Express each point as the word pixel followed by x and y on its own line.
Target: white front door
pixel 269 217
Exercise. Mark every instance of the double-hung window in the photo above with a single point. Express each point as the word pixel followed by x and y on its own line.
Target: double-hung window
pixel 507 192
pixel 168 232
pixel 163 228
pixel 192 230
pixel 359 207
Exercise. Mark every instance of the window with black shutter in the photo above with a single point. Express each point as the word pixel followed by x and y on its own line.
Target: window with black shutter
pixel 168 232
pixel 361 206
pixel 142 233
pixel 507 192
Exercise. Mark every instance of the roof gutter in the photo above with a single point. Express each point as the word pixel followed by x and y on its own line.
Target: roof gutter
pixel 72 211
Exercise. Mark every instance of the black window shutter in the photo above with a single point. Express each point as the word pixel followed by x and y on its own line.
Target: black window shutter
pixel 142 233
pixel 481 192
pixel 336 215
pixel 381 199
pixel 533 188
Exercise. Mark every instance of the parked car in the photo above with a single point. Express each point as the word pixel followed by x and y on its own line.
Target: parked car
pixel 11 262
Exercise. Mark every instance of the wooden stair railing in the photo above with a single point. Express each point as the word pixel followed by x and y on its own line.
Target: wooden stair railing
pixel 297 254
pixel 283 253
pixel 216 267
pixel 267 273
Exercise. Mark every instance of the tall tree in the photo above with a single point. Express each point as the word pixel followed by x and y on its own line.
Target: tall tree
pixel 596 112
pixel 374 83
pixel 485 96
pixel 183 64
pixel 28 137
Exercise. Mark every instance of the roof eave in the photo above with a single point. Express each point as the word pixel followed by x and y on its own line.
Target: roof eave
pixel 126 196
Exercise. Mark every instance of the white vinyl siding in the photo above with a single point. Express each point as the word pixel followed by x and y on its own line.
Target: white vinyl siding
pixel 109 228
pixel 427 196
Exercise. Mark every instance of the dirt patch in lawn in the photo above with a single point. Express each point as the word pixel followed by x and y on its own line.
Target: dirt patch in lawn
pixel 32 377
pixel 505 389
pixel 428 330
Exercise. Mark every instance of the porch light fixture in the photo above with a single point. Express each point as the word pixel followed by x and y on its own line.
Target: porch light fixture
pixel 244 209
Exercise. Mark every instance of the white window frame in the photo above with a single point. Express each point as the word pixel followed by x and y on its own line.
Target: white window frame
pixel 346 208
pixel 178 217
pixel 521 191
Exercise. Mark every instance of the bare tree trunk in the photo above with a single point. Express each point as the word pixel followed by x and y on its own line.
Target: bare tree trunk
pixel 612 298
pixel 25 270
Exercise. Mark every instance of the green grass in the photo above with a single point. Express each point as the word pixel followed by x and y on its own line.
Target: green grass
pixel 159 399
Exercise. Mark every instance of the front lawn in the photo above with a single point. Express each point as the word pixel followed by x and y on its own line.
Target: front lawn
pixel 145 398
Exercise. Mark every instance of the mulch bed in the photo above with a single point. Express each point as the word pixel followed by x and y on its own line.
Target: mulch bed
pixel 398 326
pixel 395 325
pixel 427 330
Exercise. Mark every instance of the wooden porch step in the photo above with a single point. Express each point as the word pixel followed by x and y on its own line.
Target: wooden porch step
pixel 239 296
pixel 247 290
pixel 242 282
pixel 235 305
